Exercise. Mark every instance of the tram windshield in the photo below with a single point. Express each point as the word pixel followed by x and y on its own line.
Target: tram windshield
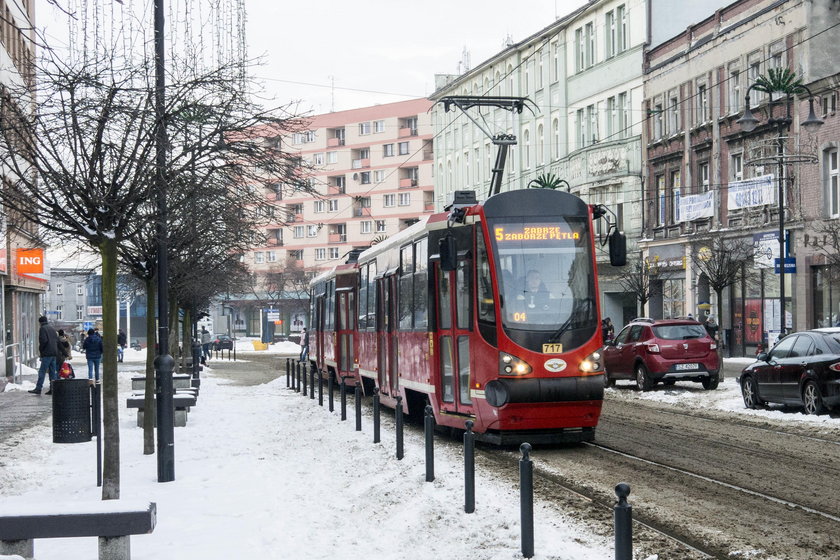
pixel 545 272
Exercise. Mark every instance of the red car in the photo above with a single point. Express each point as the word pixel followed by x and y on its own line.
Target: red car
pixel 650 351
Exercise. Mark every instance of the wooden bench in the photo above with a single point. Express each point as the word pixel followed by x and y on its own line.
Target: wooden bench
pixel 181 402
pixel 113 521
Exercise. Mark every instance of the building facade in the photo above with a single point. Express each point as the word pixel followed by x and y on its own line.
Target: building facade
pixel 707 178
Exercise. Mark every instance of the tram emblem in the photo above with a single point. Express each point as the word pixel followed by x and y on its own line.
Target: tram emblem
pixel 555 364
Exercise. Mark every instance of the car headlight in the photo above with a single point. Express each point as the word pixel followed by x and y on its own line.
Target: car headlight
pixel 511 365
pixel 592 363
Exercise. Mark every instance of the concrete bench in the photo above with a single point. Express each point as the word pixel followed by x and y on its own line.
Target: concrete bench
pixel 179 381
pixel 113 521
pixel 181 403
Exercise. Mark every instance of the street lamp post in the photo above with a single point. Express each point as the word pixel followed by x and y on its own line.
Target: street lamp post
pixel 780 82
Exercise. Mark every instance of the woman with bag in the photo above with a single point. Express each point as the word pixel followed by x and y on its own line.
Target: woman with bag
pixel 65 354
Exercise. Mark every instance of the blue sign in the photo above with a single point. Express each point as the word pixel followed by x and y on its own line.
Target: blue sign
pixel 790 265
pixel 87 325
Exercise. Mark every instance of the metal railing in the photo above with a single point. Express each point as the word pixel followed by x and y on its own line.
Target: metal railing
pixel 16 369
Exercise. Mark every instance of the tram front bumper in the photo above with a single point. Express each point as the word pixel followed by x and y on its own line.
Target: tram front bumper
pixel 500 392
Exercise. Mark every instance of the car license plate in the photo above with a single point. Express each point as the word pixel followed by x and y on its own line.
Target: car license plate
pixel 686 367
pixel 552 348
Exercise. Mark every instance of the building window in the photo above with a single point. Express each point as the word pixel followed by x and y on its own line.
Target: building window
pixel 333 204
pixel 389 200
pixel 311 230
pixel 80 312
pixel 581 129
pixel 298 232
pixel 736 167
pixel 828 104
pixel 540 145
pixel 833 183
pixel 753 73
pixel 318 159
pixel 592 124
pixel 673 114
pixel 612 117
pixel 734 90
pixel 319 206
pixel 673 298
pixel 364 128
pixel 365 227
pixel 589 32
pixel 676 189
pixel 526 149
pixel 703 176
pixel 380 226
pixel 320 254
pixel 80 289
pixel 364 177
pixel 657 120
pixel 610 37
pixel 332 157
pixel 580 49
pixel 555 125
pixel 272 256
pixel 379 126
pixel 621 17
pixel 296 254
pixel 333 253
pixel 702 104
pixel 59 289
pixel 259 257
pixel 378 176
pixel 405 199
pixel 624 114
pixel 660 200
pixel 403 148
pixel 387 150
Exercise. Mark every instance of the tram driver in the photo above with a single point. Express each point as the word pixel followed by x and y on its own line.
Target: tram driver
pixel 535 294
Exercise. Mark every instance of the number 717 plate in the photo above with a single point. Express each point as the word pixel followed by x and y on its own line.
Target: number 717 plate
pixel 553 348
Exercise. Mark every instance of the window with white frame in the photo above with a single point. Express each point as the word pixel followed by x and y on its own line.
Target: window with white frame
pixel 59 311
pixel 80 289
pixel 539 78
pixel 318 159
pixel 387 150
pixel 312 230
pixel 333 253
pixel 296 254
pixel 828 103
pixel 364 177
pixel 580 121
pixel 259 257
pixel 366 226
pixel 59 289
pixel 389 200
pixel 702 104
pixel 364 128
pixel 676 189
pixel 610 34
pixel 271 256
pixel 320 254
pixel 332 157
pixel 319 206
pixel 753 73
pixel 403 146
pixel 734 89
pixel 555 62
pixel 656 113
pixel 380 226
pixel 621 24
pixel 589 32
pixel 333 204
pixel 612 117
pixel 405 199
pixel 736 167
pixel 777 55
pixel 624 114
pixel 540 156
pixel 832 182
pixel 591 125
pixel 298 232
pixel 673 113
pixel 526 149
pixel 379 126
pixel 378 176
pixel 660 200
pixel 703 176
pixel 555 125
pixel 580 50
pixel 80 312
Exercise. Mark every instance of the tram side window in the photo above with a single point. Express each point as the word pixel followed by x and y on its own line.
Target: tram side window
pixel 463 284
pixel 329 320
pixel 486 302
pixel 421 284
pixel 363 290
pixel 406 276
pixel 367 296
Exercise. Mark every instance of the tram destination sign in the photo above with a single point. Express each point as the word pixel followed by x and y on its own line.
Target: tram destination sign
pixel 534 232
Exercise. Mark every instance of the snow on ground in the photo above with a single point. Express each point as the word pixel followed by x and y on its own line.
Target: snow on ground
pixel 262 472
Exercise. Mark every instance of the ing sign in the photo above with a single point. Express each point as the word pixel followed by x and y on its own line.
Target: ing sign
pixel 30 261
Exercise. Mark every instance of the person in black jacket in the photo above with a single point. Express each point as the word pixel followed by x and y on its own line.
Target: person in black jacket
pixel 122 340
pixel 92 347
pixel 48 350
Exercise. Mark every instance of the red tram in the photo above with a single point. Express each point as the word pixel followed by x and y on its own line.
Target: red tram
pixel 489 313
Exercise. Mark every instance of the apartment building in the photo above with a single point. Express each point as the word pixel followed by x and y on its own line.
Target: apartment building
pixel 708 178
pixel 371 169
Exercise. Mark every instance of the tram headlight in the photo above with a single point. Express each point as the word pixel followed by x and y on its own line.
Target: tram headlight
pixel 511 365
pixel 592 363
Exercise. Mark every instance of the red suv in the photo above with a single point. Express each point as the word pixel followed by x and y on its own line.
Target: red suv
pixel 666 350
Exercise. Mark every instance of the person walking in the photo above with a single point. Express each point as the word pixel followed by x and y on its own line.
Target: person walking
pixel 48 351
pixel 304 345
pixel 206 340
pixel 121 343
pixel 607 330
pixel 92 347
pixel 64 351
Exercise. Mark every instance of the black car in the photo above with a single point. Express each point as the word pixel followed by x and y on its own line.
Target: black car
pixel 802 369
pixel 223 342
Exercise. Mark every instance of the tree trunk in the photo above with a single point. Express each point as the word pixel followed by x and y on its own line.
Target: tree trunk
pixel 173 328
pixel 186 336
pixel 110 390
pixel 151 352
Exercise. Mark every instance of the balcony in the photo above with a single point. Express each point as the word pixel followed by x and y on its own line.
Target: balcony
pixel 335 189
pixel 427 156
pixel 337 238
pixel 361 212
pixel 361 163
pixel 407 131
pixel 333 142
pixel 408 183
pixel 428 207
pixel 274 242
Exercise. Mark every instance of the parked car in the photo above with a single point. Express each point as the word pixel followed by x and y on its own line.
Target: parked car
pixel 651 351
pixel 223 342
pixel 802 369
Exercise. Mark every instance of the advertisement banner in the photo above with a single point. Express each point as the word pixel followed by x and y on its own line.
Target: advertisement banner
pixel 757 191
pixel 766 246
pixel 695 206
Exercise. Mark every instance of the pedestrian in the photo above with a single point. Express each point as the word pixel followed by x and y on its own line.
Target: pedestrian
pixel 711 327
pixel 304 345
pixel 121 343
pixel 206 340
pixel 607 329
pixel 48 351
pixel 81 340
pixel 64 351
pixel 93 352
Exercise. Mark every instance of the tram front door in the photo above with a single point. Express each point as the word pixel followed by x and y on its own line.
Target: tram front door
pixel 453 298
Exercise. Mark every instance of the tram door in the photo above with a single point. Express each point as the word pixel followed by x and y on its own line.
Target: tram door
pixel 453 289
pixel 318 319
pixel 386 333
pixel 346 325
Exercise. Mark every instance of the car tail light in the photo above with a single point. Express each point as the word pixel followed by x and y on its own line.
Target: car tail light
pixel 835 366
pixel 652 348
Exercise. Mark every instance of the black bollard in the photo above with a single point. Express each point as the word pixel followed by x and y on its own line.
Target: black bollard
pixel 357 394
pixel 343 391
pixel 320 388
pixel 526 500
pixel 296 381
pixel 623 515
pixel 469 468
pixel 398 413
pixel 303 375
pixel 311 381
pixel 376 415
pixel 288 372
pixel 330 383
pixel 429 428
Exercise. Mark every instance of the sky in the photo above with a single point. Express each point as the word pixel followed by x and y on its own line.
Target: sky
pixel 379 46
pixel 262 472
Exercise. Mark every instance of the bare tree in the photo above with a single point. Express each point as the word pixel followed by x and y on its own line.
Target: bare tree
pixel 722 261
pixel 639 281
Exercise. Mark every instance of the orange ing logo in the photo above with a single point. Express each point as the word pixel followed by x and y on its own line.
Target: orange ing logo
pixel 541 233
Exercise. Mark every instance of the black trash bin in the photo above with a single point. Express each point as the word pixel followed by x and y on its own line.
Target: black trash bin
pixel 71 410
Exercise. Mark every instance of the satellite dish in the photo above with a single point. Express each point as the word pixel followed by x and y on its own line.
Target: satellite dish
pixel 355 176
